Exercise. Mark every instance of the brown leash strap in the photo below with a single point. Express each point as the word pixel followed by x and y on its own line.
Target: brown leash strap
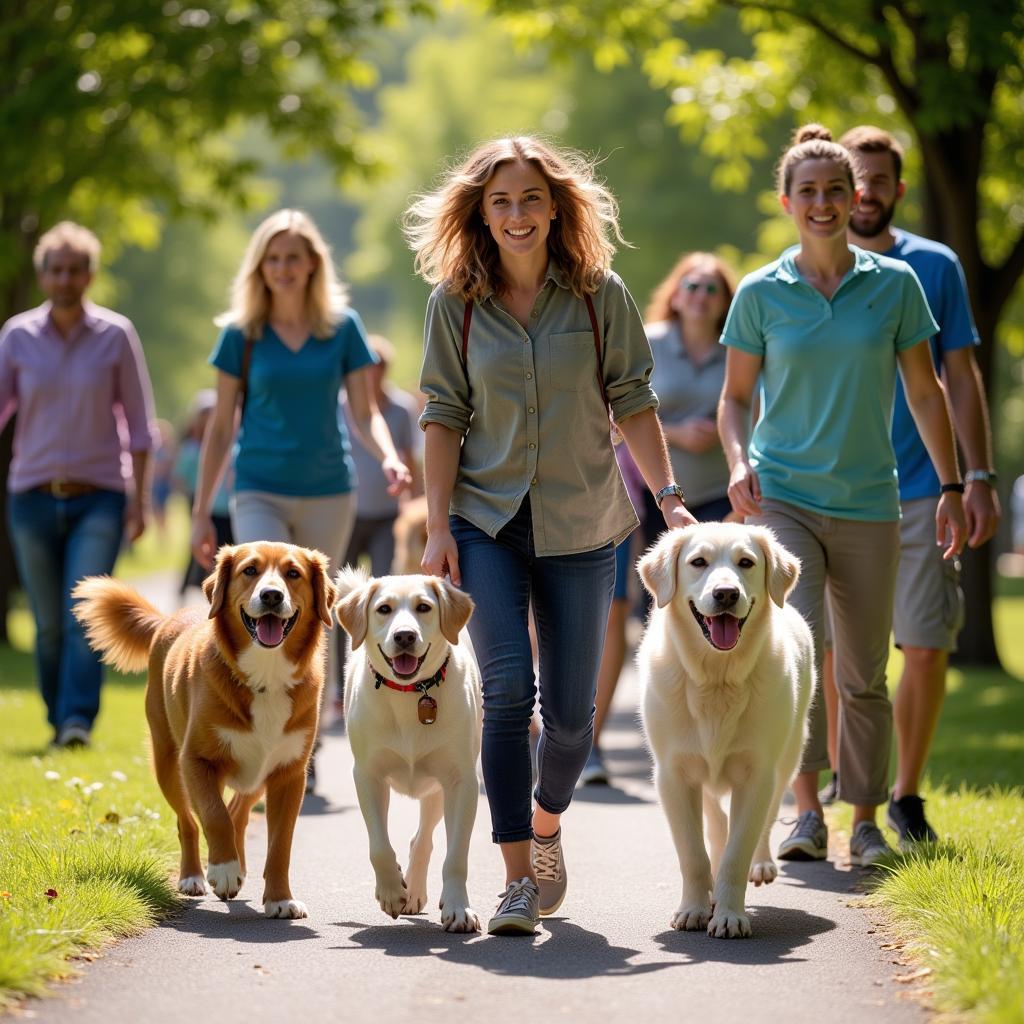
pixel 467 319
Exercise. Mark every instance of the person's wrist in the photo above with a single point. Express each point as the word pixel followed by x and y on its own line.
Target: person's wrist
pixel 988 477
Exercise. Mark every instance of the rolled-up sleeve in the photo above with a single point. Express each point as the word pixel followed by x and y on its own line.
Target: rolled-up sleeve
pixel 628 362
pixel 443 376
pixel 135 392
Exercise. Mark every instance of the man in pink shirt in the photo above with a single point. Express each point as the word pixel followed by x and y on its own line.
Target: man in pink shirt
pixel 76 376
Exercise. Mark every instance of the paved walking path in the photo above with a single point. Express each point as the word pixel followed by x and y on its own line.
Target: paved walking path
pixel 608 955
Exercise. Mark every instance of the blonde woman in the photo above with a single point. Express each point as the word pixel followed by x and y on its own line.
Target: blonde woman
pixel 530 342
pixel 287 345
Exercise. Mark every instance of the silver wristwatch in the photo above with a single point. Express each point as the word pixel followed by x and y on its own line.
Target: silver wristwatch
pixel 666 491
pixel 982 476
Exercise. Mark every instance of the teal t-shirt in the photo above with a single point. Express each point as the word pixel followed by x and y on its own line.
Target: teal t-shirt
pixel 823 441
pixel 290 441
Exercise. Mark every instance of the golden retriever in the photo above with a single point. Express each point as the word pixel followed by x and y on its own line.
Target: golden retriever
pixel 232 700
pixel 413 715
pixel 727 673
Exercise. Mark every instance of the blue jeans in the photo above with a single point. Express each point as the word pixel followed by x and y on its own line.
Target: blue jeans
pixel 56 542
pixel 571 597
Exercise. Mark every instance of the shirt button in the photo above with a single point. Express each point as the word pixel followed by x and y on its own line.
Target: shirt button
pixel 530 410
pixel 532 446
pixel 533 482
pixel 529 376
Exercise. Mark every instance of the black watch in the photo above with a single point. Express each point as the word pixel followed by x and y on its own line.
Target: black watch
pixel 666 491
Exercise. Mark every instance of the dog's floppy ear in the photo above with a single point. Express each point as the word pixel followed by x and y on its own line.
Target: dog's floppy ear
pixel 659 567
pixel 215 586
pixel 324 594
pixel 355 590
pixel 781 566
pixel 455 607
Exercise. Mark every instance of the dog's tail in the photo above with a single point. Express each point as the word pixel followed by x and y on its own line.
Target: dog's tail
pixel 119 622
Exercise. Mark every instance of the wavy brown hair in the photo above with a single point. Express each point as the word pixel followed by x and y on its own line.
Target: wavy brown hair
pixel 454 247
pixel 660 308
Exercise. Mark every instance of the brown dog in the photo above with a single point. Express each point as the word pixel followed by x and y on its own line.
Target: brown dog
pixel 232 700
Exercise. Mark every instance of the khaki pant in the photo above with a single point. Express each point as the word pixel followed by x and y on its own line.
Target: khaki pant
pixel 858 560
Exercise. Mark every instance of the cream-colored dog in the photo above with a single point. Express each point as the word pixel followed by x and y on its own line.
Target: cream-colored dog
pixel 413 714
pixel 727 670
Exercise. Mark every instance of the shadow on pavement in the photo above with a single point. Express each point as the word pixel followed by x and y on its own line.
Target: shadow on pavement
pixel 824 876
pixel 777 932
pixel 560 950
pixel 314 803
pixel 607 794
pixel 241 920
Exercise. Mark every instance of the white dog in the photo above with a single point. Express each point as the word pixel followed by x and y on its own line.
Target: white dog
pixel 727 670
pixel 413 714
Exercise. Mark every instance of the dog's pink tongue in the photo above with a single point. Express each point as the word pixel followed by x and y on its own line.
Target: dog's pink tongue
pixel 404 664
pixel 725 631
pixel 270 630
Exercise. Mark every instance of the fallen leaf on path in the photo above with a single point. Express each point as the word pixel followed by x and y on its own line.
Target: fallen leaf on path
pixel 921 972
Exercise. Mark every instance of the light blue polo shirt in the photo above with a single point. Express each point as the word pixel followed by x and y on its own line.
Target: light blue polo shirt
pixel 942 278
pixel 829 375
pixel 291 441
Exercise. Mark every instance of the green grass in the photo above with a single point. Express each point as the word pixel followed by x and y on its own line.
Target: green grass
pixel 958 908
pixel 89 828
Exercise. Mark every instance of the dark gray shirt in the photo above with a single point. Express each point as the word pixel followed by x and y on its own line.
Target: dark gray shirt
pixel 529 408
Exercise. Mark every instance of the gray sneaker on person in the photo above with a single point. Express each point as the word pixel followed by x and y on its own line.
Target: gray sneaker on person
pixel 807 841
pixel 546 855
pixel 594 771
pixel 519 910
pixel 868 846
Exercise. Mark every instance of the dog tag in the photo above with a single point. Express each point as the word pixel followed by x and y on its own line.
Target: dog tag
pixel 427 710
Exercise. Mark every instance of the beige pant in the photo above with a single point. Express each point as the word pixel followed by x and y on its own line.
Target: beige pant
pixel 858 560
pixel 324 523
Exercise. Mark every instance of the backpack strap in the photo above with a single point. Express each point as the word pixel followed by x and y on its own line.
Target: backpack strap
pixel 467 319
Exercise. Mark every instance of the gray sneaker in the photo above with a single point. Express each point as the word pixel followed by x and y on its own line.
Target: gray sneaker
pixel 546 855
pixel 519 910
pixel 73 735
pixel 807 841
pixel 594 771
pixel 868 846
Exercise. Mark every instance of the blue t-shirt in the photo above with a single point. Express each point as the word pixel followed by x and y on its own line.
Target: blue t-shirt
pixel 942 278
pixel 290 441
pixel 829 375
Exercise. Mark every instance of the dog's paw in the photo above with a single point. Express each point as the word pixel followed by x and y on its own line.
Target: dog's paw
pixel 392 896
pixel 691 917
pixel 193 885
pixel 285 908
pixel 763 871
pixel 729 924
pixel 459 919
pixel 415 901
pixel 226 878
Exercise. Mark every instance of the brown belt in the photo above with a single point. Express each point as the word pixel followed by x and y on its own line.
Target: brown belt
pixel 66 488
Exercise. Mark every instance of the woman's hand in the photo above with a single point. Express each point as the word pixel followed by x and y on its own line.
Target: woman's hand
pixel 698 434
pixel 135 518
pixel 744 489
pixel 950 524
pixel 204 541
pixel 397 474
pixel 675 513
pixel 441 556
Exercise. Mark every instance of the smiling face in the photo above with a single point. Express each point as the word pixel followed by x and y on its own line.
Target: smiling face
pixel 701 294
pixel 518 209
pixel 879 193
pixel 287 265
pixel 820 199
pixel 65 276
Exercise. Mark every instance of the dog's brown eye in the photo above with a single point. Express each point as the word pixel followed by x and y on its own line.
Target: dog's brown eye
pixel 698 562
pixel 249 570
pixel 293 574
pixel 746 563
pixel 423 607
pixel 384 609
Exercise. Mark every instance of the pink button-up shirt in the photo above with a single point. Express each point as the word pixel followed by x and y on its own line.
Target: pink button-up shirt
pixel 82 401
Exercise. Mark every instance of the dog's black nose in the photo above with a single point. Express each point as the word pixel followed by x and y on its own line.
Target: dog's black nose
pixel 726 596
pixel 404 637
pixel 271 597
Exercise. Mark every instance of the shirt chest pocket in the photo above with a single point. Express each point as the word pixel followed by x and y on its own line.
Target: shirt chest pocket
pixel 572 361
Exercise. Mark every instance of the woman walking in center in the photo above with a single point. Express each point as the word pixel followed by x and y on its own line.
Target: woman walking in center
pixel 825 328
pixel 530 341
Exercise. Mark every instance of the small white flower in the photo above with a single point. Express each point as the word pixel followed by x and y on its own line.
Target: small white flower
pixel 119 776
pixel 51 776
pixel 74 783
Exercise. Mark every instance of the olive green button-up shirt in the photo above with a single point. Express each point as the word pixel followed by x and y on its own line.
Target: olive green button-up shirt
pixel 529 408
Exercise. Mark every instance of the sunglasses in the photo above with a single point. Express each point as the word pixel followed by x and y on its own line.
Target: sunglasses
pixel 695 286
